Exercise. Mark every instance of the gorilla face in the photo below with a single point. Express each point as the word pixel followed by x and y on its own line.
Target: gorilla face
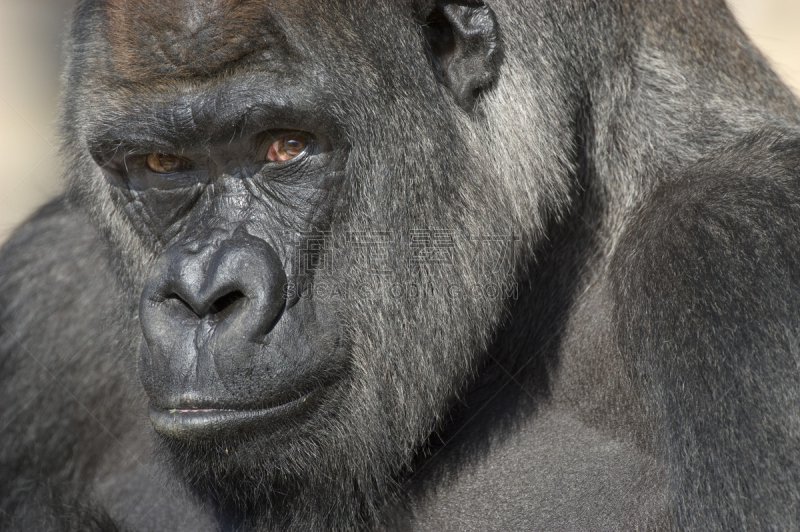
pixel 301 219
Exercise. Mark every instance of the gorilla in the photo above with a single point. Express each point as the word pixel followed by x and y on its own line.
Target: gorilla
pixel 409 265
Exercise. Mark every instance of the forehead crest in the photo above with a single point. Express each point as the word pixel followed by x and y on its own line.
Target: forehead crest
pixel 185 37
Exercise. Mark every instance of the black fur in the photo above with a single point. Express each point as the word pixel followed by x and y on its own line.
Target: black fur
pixel 637 367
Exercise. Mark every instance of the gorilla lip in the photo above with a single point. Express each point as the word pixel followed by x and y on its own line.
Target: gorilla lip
pixel 186 423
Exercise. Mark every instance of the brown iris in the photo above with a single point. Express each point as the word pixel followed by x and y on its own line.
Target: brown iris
pixel 166 163
pixel 286 148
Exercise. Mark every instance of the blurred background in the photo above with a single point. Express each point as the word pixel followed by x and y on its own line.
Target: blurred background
pixel 31 32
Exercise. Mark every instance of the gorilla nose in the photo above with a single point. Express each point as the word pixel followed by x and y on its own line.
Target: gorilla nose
pixel 207 311
pixel 242 281
pixel 236 280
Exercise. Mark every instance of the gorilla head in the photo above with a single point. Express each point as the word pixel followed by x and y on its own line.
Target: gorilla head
pixel 300 197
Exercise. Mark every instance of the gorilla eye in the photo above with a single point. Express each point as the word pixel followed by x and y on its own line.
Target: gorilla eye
pixel 166 163
pixel 286 148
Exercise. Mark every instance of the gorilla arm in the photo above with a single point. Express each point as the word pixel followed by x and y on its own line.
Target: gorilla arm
pixel 55 292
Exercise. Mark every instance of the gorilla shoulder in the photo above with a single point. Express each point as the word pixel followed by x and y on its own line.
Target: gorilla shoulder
pixel 707 284
pixel 54 270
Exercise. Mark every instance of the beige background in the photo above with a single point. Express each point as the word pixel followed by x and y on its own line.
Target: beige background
pixel 30 62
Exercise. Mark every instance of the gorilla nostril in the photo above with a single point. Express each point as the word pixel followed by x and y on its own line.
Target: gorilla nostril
pixel 180 305
pixel 226 305
pixel 219 310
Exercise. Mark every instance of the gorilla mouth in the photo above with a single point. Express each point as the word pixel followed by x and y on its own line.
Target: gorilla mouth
pixel 188 423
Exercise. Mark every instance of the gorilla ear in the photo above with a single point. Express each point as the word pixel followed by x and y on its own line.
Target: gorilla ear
pixel 465 46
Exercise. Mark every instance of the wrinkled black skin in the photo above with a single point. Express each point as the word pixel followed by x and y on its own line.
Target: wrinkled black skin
pixel 645 375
